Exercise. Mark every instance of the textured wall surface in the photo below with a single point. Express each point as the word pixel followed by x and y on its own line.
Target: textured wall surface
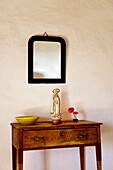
pixel 87 27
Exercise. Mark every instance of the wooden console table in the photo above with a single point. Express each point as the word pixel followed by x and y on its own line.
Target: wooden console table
pixel 44 135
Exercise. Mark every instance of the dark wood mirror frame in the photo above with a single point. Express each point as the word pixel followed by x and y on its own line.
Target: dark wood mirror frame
pixel 30 60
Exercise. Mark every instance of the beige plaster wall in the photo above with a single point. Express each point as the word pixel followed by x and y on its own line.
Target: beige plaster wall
pixel 87 27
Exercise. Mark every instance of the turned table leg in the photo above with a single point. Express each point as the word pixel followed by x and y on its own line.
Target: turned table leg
pixel 82 159
pixel 20 159
pixel 14 156
pixel 98 157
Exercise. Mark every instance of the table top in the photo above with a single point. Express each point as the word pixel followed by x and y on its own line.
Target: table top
pixel 48 125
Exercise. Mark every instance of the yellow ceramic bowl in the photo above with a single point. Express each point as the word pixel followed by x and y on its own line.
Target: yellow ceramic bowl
pixel 27 120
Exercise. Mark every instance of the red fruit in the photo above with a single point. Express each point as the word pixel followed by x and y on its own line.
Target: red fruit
pixel 70 110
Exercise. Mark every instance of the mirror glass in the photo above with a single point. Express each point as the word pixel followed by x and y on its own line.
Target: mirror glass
pixel 46 59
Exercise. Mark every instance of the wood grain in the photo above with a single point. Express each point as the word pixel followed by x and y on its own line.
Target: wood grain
pixel 59 137
pixel 82 159
pixel 15 137
pixel 49 125
pixel 14 157
pixel 44 135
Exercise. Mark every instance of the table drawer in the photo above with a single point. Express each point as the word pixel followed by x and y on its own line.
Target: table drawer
pixel 61 137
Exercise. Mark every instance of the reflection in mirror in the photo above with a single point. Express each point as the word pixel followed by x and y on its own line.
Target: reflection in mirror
pixel 46 60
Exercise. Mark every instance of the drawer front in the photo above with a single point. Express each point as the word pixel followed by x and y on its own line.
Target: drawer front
pixel 61 137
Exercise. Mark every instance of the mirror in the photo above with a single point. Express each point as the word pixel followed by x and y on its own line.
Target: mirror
pixel 46 66
pixel 46 59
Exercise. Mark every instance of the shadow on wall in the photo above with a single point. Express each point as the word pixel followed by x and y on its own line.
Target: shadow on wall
pixel 38 111
pixel 105 117
pixel 107 134
pixel 92 115
pixel 67 47
pixel 65 104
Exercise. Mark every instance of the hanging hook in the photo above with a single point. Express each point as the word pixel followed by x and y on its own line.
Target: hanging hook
pixel 45 34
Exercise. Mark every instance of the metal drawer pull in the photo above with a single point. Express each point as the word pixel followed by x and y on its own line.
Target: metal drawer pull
pixel 61 133
pixel 39 138
pixel 82 136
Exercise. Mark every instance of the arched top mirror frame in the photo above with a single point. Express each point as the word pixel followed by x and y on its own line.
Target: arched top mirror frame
pixel 61 69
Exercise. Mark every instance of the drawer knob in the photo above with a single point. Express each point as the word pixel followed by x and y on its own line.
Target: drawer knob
pixel 61 133
pixel 39 138
pixel 83 136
